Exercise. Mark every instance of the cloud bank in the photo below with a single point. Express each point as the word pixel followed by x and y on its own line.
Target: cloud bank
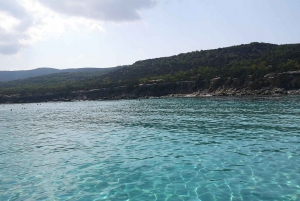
pixel 14 21
pixel 103 10
pixel 24 22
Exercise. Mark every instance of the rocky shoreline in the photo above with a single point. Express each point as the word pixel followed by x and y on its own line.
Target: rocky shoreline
pixel 287 83
pixel 124 93
pixel 239 93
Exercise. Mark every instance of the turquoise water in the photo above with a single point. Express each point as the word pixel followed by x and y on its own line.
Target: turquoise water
pixel 156 149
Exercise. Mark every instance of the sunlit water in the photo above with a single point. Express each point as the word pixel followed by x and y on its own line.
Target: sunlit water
pixel 157 149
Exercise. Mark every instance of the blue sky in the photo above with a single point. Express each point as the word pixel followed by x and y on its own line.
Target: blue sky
pixel 108 33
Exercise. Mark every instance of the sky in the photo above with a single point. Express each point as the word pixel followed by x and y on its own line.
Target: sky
pixel 107 33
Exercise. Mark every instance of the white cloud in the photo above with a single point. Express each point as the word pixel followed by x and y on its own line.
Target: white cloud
pixel 103 10
pixel 25 22
pixel 46 23
pixel 8 22
pixel 13 21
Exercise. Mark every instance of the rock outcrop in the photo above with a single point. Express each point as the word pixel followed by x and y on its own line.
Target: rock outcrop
pixel 286 83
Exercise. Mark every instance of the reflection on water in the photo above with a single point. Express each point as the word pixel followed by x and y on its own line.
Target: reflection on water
pixel 160 149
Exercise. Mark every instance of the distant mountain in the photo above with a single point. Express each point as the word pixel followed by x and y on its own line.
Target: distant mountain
pixel 255 68
pixel 22 74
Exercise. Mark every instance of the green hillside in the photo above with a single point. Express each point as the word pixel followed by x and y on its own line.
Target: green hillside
pixel 6 76
pixel 61 80
pixel 244 66
pixel 254 58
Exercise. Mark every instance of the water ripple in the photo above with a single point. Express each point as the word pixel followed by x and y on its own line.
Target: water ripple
pixel 158 149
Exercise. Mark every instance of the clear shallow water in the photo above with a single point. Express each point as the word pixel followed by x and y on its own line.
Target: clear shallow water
pixel 160 149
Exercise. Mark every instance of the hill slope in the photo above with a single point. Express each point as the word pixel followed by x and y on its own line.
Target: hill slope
pixel 23 74
pixel 252 68
pixel 242 56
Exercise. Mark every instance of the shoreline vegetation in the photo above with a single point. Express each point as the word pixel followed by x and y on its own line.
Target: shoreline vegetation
pixel 93 95
pixel 255 69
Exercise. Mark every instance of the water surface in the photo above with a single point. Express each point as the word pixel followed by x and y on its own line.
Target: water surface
pixel 156 149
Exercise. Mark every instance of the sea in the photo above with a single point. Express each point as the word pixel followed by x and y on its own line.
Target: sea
pixel 167 149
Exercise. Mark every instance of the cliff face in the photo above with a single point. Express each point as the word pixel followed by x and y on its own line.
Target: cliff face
pixel 273 84
pixel 270 84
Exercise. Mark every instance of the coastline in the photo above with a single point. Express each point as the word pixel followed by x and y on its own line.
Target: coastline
pixel 239 93
pixel 88 96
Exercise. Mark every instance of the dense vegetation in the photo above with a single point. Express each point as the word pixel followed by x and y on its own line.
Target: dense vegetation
pixel 23 74
pixel 66 81
pixel 245 66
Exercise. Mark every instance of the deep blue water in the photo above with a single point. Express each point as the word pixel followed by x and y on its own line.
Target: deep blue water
pixel 156 149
